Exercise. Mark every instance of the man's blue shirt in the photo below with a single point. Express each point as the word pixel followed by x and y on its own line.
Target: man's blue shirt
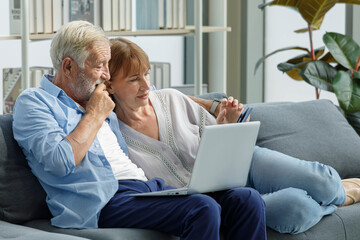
pixel 43 117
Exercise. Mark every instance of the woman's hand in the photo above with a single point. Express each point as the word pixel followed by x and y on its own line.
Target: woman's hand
pixel 230 110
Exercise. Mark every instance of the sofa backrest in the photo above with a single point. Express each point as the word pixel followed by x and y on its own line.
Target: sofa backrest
pixel 21 196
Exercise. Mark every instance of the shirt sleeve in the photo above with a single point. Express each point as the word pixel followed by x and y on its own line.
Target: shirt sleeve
pixel 38 131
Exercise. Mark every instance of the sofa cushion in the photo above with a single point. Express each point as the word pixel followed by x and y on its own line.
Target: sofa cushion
pixel 313 130
pixel 22 197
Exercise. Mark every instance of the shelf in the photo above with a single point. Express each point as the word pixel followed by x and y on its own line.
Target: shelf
pixel 189 30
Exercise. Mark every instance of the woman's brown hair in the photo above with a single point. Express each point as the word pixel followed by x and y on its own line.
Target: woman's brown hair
pixel 127 57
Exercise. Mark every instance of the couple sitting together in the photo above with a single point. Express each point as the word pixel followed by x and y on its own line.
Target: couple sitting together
pixel 92 143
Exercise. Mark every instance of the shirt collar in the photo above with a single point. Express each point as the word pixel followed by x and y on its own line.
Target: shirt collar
pixel 48 86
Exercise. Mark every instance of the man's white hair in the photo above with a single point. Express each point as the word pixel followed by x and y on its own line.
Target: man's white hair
pixel 74 40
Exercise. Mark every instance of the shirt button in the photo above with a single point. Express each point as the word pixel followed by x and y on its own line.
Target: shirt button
pixel 103 160
pixel 97 145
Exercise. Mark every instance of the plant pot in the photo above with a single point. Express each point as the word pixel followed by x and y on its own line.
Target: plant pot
pixel 354 120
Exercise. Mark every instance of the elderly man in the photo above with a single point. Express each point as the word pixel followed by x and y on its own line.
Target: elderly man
pixel 73 144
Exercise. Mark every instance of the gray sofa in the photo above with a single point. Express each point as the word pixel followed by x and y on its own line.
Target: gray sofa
pixel 313 130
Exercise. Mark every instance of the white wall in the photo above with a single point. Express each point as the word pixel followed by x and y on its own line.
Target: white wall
pixel 280 23
pixel 160 49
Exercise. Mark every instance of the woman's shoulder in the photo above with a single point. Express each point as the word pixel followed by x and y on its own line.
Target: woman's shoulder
pixel 170 93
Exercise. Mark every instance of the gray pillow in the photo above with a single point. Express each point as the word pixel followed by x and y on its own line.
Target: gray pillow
pixel 21 195
pixel 313 130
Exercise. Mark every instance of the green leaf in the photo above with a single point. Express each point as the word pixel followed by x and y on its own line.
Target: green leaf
pixel 286 66
pixel 328 57
pixel 357 75
pixel 314 11
pixel 347 91
pixel 306 57
pixel 276 51
pixel 292 69
pixel 344 49
pixel 319 74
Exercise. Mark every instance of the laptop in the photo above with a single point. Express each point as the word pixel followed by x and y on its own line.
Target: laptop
pixel 222 162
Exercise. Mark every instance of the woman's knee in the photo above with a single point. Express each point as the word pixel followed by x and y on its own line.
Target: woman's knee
pixel 292 210
pixel 327 186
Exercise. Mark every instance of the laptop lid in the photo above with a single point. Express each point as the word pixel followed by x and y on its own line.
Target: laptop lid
pixel 224 157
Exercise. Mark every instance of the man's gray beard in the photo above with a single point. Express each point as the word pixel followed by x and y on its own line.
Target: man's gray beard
pixel 99 81
pixel 83 88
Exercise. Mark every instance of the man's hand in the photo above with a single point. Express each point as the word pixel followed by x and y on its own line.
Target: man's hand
pixel 100 103
pixel 230 110
pixel 98 108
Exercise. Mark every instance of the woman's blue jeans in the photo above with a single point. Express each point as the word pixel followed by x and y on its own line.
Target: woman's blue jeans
pixel 297 193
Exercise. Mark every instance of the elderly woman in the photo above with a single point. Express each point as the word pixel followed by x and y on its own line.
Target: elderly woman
pixel 162 129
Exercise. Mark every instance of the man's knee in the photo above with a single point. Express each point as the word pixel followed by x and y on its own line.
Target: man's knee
pixel 245 201
pixel 206 208
pixel 248 197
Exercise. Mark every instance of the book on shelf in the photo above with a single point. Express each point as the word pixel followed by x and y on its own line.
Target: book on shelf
pixel 15 16
pixel 32 14
pixel 57 14
pixel 152 73
pixel 87 10
pixel 175 14
pixel 168 14
pixel 12 83
pixel 182 13
pixel 161 13
pixel 106 15
pixel 48 18
pixel 115 15
pixel 149 14
pixel 122 14
pixel 128 15
pixel 132 8
pixel 39 16
pixel 160 74
pixel 65 11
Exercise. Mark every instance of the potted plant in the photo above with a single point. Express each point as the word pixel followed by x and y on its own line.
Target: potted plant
pixel 336 71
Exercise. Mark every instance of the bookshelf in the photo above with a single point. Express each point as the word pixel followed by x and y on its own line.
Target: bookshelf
pixel 217 45
pixel 188 30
